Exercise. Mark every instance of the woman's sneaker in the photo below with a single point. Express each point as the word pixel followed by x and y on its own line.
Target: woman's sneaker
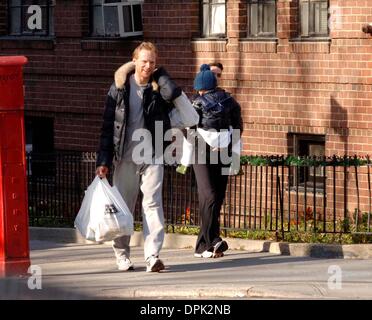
pixel 124 264
pixel 219 248
pixel 154 264
pixel 204 254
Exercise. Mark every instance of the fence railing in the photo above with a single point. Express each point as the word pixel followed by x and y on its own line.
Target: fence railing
pixel 276 193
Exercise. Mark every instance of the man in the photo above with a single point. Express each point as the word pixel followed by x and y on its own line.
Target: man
pixel 138 100
pixel 216 68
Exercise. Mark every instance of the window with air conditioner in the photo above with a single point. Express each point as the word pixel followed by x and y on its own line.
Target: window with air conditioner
pixel 116 19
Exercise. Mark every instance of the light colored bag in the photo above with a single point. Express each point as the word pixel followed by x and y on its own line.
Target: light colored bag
pixel 183 115
pixel 103 215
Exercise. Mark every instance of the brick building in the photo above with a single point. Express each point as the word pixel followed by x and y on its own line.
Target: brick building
pixel 297 67
pixel 301 69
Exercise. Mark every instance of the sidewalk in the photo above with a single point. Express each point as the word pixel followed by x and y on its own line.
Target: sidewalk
pixel 88 271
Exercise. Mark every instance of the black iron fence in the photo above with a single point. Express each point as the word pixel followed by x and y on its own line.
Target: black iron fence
pixel 328 195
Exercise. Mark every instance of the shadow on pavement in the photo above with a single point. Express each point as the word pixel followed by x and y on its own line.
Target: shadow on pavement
pixel 17 289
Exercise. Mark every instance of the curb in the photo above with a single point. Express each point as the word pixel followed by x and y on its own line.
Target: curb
pixel 182 241
pixel 178 292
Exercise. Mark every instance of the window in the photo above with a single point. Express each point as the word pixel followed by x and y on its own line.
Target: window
pixel 310 146
pixel 115 18
pixel 39 134
pixel 314 18
pixel 213 18
pixel 40 142
pixel 30 17
pixel 261 18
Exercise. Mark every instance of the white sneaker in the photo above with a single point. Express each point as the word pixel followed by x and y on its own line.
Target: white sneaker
pixel 204 254
pixel 124 264
pixel 154 264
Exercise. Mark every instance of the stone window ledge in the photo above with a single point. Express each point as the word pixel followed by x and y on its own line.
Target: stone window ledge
pixel 46 43
pixel 110 44
pixel 310 45
pixel 268 45
pixel 209 45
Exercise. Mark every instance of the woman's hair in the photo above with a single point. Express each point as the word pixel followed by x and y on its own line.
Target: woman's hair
pixel 216 64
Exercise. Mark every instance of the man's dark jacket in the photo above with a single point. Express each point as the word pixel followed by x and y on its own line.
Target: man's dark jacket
pixel 157 103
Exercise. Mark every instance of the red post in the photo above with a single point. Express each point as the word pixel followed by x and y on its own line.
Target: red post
pixel 14 238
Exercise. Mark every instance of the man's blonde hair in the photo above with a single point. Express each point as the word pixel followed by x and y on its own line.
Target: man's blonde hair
pixel 145 46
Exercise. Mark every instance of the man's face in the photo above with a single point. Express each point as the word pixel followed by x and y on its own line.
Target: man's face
pixel 145 64
pixel 217 71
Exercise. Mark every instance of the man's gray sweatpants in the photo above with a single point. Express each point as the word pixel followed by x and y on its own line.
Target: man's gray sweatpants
pixel 129 178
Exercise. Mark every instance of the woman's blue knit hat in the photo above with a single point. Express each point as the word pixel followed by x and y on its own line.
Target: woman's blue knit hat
pixel 205 79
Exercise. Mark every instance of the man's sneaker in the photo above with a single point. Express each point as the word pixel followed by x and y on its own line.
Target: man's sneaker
pixel 219 248
pixel 124 264
pixel 204 254
pixel 154 264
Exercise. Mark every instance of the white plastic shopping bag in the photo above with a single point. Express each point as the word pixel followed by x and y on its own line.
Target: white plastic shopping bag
pixel 103 215
pixel 82 219
pixel 187 152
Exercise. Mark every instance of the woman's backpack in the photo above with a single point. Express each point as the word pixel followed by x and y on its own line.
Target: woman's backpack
pixel 215 109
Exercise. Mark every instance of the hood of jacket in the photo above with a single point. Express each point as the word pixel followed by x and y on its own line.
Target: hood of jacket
pixel 123 74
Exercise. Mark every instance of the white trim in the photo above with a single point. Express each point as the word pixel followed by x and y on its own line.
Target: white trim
pixel 119 5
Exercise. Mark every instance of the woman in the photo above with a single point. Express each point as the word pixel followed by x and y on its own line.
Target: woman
pixel 219 113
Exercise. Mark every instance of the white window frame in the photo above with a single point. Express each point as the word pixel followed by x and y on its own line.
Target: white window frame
pixel 120 4
pixel 309 23
pixel 262 5
pixel 207 30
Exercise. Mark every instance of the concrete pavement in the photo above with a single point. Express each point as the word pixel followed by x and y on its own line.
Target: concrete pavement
pixel 88 271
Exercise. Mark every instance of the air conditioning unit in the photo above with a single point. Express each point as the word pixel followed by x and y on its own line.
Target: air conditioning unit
pixel 122 19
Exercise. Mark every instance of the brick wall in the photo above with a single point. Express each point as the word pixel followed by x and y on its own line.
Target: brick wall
pixel 284 85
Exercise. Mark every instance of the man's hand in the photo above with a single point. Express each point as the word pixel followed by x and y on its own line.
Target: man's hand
pixel 169 90
pixel 102 171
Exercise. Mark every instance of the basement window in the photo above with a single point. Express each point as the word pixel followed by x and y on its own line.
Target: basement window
pixel 314 18
pixel 311 147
